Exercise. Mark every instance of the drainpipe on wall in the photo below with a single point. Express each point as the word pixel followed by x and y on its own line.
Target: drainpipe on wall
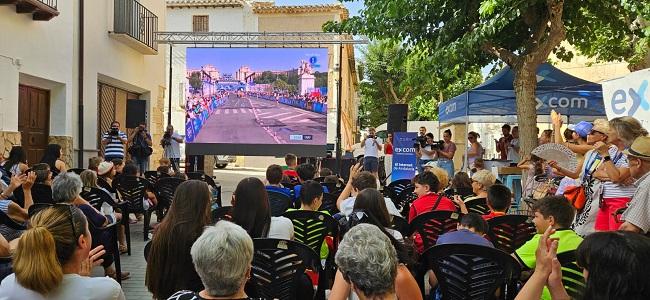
pixel 80 156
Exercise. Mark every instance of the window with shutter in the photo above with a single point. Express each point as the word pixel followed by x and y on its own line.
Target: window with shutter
pixel 200 24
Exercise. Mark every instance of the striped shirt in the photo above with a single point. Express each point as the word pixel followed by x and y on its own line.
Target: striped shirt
pixel 114 148
pixel 615 190
pixel 638 211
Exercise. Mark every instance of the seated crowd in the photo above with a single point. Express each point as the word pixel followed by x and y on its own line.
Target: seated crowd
pixel 195 255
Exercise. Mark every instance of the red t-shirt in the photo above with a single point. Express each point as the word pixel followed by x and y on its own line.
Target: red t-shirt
pixel 493 214
pixel 388 148
pixel 426 202
pixel 290 173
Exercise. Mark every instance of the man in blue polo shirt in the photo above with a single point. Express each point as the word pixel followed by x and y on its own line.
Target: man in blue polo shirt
pixel 273 178
pixel 114 141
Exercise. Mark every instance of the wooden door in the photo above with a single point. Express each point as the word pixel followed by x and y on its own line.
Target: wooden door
pixel 34 121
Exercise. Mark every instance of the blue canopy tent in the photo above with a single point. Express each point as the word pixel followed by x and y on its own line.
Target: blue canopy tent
pixel 494 100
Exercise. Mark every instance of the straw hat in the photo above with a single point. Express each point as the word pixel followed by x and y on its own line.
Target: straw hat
pixel 640 148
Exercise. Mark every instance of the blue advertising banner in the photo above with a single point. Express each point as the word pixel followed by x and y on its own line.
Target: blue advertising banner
pixel 404 159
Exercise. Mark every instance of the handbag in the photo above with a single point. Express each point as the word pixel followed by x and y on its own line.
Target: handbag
pixel 576 196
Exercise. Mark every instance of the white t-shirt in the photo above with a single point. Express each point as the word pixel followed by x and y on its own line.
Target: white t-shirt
pixel 281 228
pixel 347 206
pixel 370 149
pixel 615 190
pixel 428 157
pixel 73 286
pixel 513 155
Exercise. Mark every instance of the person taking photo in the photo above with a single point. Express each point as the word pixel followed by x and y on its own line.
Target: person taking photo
pixel 140 149
pixel 171 144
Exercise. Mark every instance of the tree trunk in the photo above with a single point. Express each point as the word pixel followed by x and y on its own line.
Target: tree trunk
pixel 525 85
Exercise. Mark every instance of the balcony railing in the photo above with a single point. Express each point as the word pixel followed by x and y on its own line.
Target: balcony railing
pixel 41 10
pixel 136 21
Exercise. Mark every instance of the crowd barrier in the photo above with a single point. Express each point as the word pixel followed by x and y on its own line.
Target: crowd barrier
pixel 317 107
pixel 193 125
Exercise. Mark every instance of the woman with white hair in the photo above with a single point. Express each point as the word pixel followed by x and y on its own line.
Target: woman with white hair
pixel 222 257
pixel 368 262
pixel 65 189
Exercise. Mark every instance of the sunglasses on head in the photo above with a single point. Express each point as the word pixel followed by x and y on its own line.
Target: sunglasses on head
pixel 38 207
pixel 596 131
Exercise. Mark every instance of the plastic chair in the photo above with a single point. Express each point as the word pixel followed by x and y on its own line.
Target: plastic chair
pixel 165 188
pixel 400 224
pixel 510 232
pixel 311 227
pixel 472 272
pixel 278 202
pixel 111 246
pixel 478 206
pixel 207 179
pixel 133 191
pixel 572 278
pixel 154 176
pixel 329 204
pixel 102 183
pixel 279 268
pixel 221 213
pixel 41 193
pixel 9 222
pixel 395 187
pixel 431 225
pixel 97 197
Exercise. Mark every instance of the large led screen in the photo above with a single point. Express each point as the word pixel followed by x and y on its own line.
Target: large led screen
pixel 256 101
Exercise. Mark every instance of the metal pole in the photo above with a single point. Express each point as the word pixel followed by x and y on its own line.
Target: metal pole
pixel 169 110
pixel 80 128
pixel 466 162
pixel 339 153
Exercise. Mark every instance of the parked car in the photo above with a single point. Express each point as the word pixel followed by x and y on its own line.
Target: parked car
pixel 222 161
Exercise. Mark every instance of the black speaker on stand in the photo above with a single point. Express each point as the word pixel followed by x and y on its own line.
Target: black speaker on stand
pixel 397 117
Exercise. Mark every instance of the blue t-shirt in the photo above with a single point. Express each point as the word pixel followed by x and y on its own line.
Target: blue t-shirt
pixel 463 236
pixel 277 189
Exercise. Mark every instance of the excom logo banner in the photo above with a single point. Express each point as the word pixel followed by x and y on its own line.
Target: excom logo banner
pixel 629 96
pixel 404 160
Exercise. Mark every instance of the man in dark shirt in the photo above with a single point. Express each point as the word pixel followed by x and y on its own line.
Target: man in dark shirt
pixel 504 141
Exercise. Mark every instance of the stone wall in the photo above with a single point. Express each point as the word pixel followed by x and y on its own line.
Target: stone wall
pixel 157 127
pixel 208 165
pixel 67 146
pixel 8 139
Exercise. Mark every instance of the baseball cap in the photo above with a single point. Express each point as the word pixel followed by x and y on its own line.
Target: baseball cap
pixel 640 148
pixel 582 128
pixel 104 167
pixel 430 164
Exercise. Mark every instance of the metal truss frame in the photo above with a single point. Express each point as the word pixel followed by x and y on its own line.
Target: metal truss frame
pixel 257 39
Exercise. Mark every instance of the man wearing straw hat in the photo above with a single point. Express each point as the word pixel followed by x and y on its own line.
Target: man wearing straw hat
pixel 637 215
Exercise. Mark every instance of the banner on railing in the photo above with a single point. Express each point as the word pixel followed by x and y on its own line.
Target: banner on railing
pixel 404 159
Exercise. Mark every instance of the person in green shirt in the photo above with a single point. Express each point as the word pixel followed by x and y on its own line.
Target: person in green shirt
pixel 555 212
pixel 311 198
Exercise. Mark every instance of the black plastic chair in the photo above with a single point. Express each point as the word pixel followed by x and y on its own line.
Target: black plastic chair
pixel 165 188
pixel 221 213
pixel 478 206
pixel 96 197
pixel 133 189
pixel 9 222
pixel 41 193
pixel 431 225
pixel 279 269
pixel 311 227
pixel 207 179
pixel 510 232
pixel 401 225
pixel 329 203
pixel 102 183
pixel 394 192
pixel 278 202
pixel 472 272
pixel 572 277
pixel 76 170
pixel 112 245
pixel 154 176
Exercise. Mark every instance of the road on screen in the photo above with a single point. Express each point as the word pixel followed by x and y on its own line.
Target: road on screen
pixel 251 120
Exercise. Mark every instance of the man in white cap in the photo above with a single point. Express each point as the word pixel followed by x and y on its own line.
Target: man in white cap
pixel 637 215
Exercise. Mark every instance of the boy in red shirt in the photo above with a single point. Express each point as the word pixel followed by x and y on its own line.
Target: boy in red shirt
pixel 292 162
pixel 426 185
pixel 498 200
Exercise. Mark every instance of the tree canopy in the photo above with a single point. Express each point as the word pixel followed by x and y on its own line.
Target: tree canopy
pixel 454 36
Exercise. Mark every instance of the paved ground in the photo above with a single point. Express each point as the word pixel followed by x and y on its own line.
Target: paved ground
pixel 134 287
pixel 251 120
